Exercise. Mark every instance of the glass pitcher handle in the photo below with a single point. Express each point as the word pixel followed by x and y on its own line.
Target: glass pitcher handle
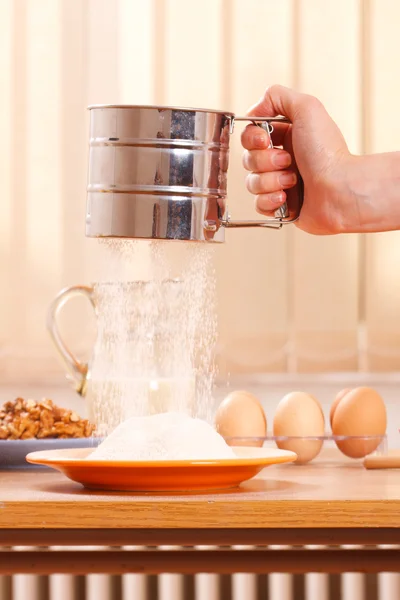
pixel 76 369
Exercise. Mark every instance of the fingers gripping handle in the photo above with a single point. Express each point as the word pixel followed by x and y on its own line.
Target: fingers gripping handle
pixel 282 215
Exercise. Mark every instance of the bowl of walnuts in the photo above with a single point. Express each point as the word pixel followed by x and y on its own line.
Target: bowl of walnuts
pixel 30 425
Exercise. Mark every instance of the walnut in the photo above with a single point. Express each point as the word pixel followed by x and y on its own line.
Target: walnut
pixel 34 428
pixel 47 404
pixel 46 419
pixel 88 430
pixel 30 431
pixel 58 412
pixel 44 433
pixel 18 404
pixel 70 430
pixel 14 432
pixel 74 417
pixel 34 415
pixel 26 419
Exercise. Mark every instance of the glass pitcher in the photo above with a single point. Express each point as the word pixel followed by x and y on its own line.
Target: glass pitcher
pixel 142 360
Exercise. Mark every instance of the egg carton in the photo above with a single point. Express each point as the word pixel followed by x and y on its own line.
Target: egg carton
pixel 334 448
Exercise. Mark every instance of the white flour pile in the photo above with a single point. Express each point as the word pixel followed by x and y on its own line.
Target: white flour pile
pixel 165 436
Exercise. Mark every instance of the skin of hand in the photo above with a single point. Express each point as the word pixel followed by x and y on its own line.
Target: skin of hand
pixel 343 193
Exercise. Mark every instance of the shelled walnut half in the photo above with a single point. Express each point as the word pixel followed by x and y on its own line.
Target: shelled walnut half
pixel 25 419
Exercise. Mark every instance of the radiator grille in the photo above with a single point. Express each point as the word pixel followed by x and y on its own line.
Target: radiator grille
pixel 347 586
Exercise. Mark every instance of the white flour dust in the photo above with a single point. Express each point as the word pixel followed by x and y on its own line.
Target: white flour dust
pixel 156 331
pixel 166 436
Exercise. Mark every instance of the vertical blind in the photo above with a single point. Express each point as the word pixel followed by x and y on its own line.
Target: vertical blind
pixel 287 301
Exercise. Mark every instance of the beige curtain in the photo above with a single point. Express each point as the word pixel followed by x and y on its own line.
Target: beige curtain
pixel 287 301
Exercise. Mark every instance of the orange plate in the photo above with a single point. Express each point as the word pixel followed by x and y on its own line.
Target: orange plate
pixel 160 476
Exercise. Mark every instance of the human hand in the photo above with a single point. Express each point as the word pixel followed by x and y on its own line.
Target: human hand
pixel 321 156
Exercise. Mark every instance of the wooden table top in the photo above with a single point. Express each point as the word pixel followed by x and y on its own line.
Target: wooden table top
pixel 289 496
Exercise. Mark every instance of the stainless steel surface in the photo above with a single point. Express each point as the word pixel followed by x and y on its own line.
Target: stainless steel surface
pixel 156 106
pixel 161 173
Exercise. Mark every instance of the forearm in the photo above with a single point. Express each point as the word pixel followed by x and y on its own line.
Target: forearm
pixel 373 194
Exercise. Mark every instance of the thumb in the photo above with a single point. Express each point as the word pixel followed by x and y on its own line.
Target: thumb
pixel 277 100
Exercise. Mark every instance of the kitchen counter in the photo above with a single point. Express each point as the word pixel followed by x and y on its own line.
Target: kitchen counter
pixel 330 505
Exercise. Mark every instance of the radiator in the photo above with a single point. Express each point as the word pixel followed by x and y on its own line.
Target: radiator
pixel 348 586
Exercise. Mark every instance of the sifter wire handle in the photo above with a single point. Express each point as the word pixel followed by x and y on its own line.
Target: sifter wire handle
pixel 282 213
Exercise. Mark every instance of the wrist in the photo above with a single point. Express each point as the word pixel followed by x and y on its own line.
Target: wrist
pixel 340 192
pixel 371 194
pixel 353 191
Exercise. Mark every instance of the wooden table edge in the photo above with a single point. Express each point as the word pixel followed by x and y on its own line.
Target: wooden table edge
pixel 200 514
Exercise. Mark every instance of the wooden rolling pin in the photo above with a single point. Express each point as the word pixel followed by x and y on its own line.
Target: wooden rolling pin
pixel 391 460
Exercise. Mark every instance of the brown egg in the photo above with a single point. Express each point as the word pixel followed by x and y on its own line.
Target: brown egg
pixel 241 415
pixel 299 415
pixel 336 401
pixel 361 412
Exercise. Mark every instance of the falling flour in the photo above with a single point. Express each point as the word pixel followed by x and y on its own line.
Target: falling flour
pixel 156 332
pixel 166 436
